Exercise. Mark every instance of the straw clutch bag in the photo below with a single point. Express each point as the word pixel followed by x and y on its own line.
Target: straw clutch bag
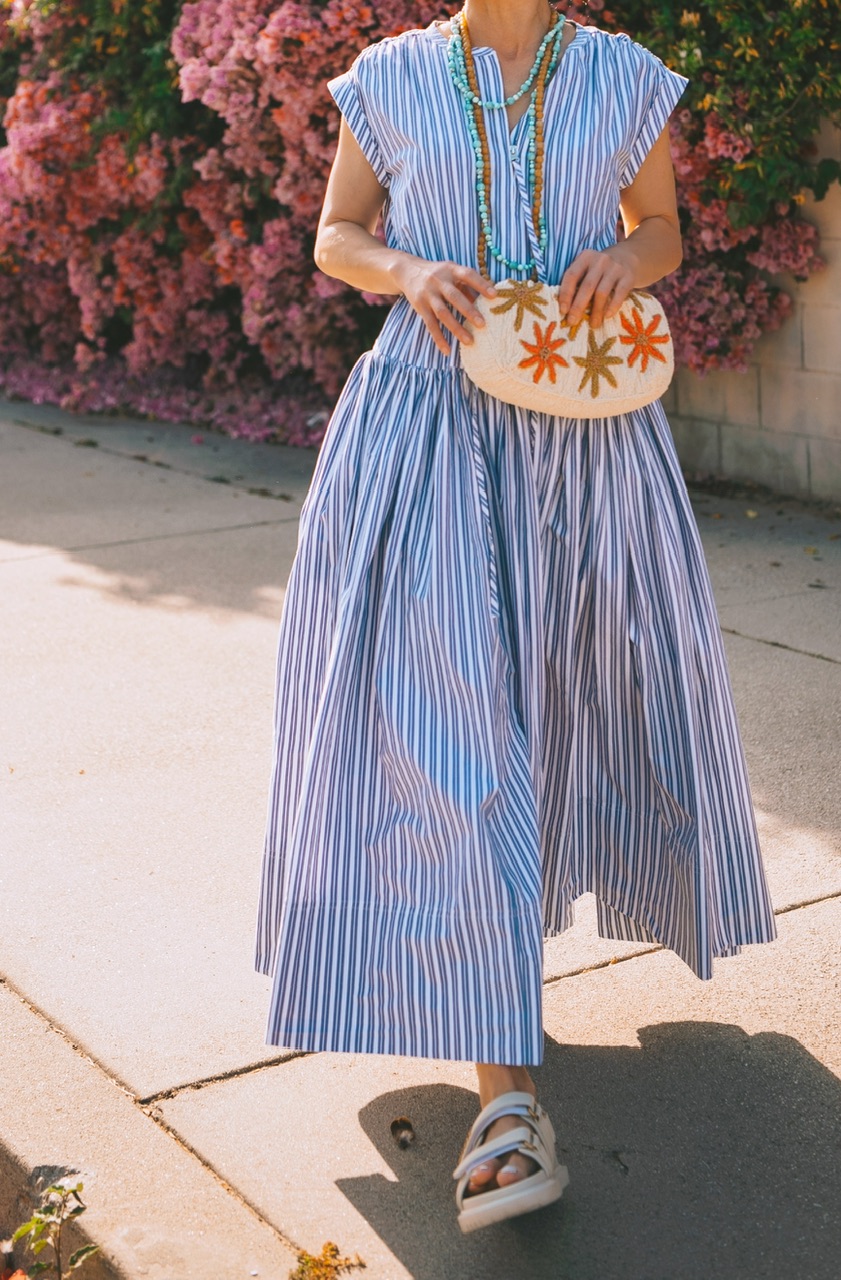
pixel 526 355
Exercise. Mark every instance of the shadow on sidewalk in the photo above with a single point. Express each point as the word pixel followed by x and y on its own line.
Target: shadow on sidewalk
pixel 705 1152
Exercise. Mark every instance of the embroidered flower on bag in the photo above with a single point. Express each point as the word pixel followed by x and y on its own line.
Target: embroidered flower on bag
pixel 596 364
pixel 644 340
pixel 634 298
pixel 525 295
pixel 544 352
pixel 573 328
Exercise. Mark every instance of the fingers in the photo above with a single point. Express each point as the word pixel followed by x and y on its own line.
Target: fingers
pixel 476 281
pixel 438 314
pixel 594 282
pixel 452 289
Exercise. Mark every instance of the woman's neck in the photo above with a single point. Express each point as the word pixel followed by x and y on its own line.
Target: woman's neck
pixel 514 28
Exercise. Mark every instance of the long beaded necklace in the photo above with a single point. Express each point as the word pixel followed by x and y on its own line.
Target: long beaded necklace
pixel 463 73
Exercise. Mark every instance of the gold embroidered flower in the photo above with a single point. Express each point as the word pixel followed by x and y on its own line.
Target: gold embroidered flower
pixel 544 352
pixel 596 364
pixel 573 328
pixel 525 295
pixel 634 298
pixel 643 339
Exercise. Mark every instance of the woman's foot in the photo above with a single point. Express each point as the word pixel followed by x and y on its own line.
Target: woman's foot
pixel 495 1080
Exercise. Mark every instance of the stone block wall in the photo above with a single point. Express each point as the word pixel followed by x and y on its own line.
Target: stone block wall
pixel 779 423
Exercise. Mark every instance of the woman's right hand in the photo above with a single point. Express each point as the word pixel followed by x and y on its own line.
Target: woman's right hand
pixel 439 290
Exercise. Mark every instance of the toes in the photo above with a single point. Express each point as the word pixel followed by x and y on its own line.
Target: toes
pixel 516 1168
pixel 483 1174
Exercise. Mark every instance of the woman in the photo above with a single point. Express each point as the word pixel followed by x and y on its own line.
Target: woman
pixel 501 681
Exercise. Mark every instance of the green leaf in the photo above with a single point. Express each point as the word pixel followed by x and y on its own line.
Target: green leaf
pixel 77 1258
pixel 39 1245
pixel 38 1267
pixel 24 1230
pixel 826 172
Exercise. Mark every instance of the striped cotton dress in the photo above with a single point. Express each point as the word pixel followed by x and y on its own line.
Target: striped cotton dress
pixel 501 681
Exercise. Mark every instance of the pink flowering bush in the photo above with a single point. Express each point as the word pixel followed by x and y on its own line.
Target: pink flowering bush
pixel 743 149
pixel 163 164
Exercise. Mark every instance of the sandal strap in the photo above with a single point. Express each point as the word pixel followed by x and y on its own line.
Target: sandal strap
pixel 535 1139
pixel 515 1103
pixel 545 1160
pixel 498 1146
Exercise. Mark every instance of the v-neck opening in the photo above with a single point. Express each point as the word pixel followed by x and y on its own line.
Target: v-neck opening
pixel 511 133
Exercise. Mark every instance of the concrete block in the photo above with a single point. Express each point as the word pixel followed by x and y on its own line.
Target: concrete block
pixel 825 468
pixel 797 402
pixel 823 288
pixel 154 1209
pixel 735 1077
pixel 787 707
pixel 822 338
pixel 580 947
pixel 826 213
pixel 672 1100
pixel 779 460
pixel 828 140
pixel 720 396
pixel 783 346
pixel 277 471
pixel 697 443
pixel 700 396
pixel 741 396
pixel 669 397
pixel 50 506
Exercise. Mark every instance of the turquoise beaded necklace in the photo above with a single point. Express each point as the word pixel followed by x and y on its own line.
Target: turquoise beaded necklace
pixel 472 103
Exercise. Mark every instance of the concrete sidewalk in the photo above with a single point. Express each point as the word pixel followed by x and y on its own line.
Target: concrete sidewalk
pixel 141 578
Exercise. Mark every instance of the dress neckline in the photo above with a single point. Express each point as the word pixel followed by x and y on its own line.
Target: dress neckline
pixel 512 133
pixel 434 30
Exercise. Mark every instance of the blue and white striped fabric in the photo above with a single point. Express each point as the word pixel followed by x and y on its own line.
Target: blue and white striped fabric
pixel 501 681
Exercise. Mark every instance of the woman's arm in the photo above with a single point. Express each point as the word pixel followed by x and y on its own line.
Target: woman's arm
pixel 346 247
pixel 603 280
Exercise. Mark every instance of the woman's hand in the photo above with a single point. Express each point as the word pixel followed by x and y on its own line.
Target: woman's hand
pixel 602 280
pixel 438 289
pixel 599 280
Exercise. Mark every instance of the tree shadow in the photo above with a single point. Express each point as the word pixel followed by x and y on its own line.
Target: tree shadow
pixel 706 1152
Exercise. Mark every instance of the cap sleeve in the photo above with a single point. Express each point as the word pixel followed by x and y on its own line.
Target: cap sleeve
pixel 653 93
pixel 352 93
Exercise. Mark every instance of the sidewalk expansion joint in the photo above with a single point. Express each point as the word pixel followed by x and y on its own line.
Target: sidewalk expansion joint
pixel 257 491
pixel 638 955
pixel 808 902
pixel 778 644
pixel 45 553
pixel 151 1113
pixel 250 1068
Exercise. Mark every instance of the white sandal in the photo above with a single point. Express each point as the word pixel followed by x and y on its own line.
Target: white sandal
pixel 535 1139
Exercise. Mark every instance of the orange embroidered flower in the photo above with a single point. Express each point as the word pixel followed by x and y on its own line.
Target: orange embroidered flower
pixel 544 352
pixel 644 340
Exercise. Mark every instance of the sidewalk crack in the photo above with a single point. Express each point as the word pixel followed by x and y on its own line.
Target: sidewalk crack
pixel 778 644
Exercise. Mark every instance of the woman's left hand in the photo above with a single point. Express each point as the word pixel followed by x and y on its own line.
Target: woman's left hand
pixel 599 280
